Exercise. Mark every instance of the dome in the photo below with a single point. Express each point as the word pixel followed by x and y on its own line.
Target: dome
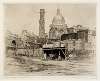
pixel 58 19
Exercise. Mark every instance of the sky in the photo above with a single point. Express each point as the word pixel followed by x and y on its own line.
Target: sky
pixel 18 17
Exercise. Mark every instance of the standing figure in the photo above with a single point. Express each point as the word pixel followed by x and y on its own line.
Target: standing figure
pixel 59 57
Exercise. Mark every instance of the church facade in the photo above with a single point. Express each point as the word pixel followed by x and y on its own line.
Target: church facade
pixel 58 26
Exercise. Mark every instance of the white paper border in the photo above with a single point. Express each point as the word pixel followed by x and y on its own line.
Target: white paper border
pixel 48 78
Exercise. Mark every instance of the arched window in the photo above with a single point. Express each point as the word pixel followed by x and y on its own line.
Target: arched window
pixel 13 42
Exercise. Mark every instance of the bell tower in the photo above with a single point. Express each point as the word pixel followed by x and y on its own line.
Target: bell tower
pixel 42 24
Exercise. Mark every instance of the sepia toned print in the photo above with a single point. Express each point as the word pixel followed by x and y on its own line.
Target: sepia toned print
pixel 50 39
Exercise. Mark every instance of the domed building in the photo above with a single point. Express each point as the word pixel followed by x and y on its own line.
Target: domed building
pixel 58 26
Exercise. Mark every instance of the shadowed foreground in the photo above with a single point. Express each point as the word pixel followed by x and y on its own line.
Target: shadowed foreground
pixel 37 67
